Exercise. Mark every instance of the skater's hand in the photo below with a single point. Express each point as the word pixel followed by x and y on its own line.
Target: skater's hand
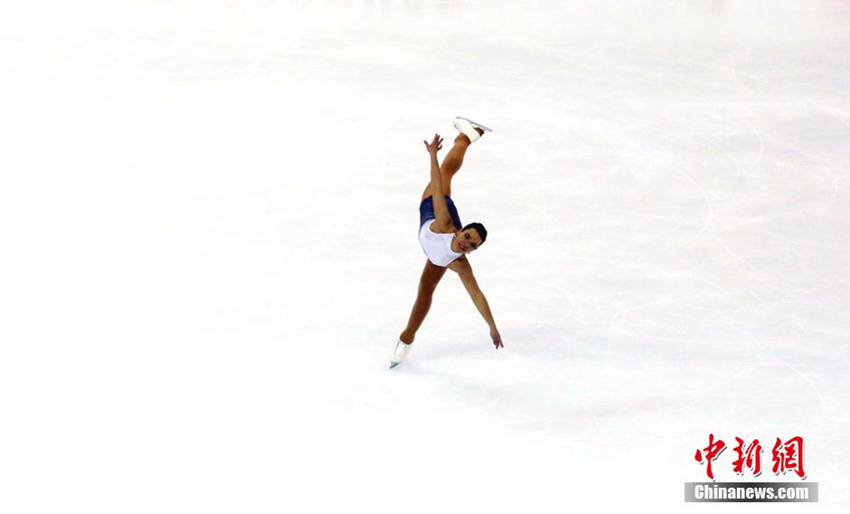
pixel 497 338
pixel 435 146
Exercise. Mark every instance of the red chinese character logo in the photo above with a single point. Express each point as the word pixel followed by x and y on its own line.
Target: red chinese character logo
pixel 788 456
pixel 749 457
pixel 712 451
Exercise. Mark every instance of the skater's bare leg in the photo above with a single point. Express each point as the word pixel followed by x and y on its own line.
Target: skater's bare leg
pixel 451 165
pixel 431 276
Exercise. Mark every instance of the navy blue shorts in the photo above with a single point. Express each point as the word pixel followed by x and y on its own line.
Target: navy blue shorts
pixel 426 211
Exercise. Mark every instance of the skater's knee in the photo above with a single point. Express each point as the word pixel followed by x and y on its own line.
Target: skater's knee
pixel 427 287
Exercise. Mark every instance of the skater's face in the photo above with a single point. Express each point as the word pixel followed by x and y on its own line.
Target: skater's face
pixel 468 240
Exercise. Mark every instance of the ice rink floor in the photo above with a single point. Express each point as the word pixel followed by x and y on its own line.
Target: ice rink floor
pixel 209 215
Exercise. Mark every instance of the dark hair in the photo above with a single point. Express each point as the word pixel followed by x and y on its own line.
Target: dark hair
pixel 480 228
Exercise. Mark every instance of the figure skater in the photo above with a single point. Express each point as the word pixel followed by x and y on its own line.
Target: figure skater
pixel 445 241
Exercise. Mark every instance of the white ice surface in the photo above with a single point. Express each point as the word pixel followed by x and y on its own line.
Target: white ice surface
pixel 209 215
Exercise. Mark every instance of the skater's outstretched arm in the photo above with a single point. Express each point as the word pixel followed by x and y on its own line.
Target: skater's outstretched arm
pixel 462 267
pixel 441 210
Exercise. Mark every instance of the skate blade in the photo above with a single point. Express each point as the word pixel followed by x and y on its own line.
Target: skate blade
pixel 476 124
pixel 394 364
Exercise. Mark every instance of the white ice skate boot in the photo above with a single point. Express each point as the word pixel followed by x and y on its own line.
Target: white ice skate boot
pixel 467 127
pixel 399 354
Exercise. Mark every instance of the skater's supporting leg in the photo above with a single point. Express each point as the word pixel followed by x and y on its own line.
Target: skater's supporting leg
pixel 431 276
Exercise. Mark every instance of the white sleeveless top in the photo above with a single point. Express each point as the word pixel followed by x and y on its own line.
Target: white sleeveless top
pixel 438 247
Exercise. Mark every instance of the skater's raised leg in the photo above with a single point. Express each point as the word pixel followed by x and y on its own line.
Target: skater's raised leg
pixel 451 164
